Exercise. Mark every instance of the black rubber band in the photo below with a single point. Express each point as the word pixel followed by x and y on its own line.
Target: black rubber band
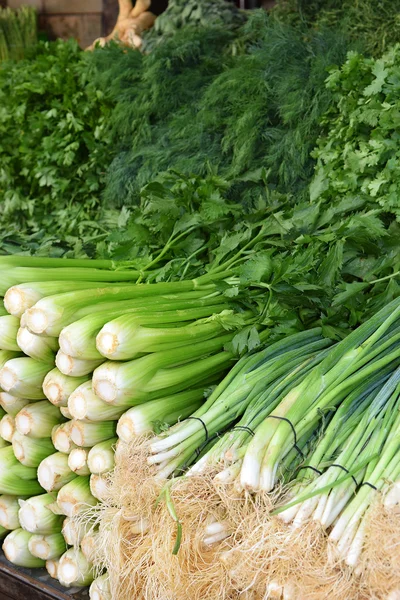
pixel 204 444
pixel 347 471
pixel 202 422
pixel 310 467
pixel 244 428
pixel 371 485
pixel 292 428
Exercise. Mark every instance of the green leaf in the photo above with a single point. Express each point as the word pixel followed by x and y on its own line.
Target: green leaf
pixel 318 185
pixel 258 268
pixel 349 291
pixel 380 76
pixel 332 264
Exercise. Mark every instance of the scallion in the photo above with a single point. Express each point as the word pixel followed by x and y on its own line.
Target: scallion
pixel 99 487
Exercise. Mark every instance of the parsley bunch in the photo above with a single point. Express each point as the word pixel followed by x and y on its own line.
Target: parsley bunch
pixel 358 153
pixel 54 149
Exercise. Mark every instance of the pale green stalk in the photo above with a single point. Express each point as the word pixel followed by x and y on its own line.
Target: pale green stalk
pixel 7 428
pixel 128 383
pixel 75 367
pixel 47 547
pixel 36 517
pixel 57 387
pixel 51 314
pixel 15 478
pixel 86 435
pixel 53 472
pixel 11 404
pixel 23 377
pixel 9 326
pixel 166 411
pixel 9 509
pixel 101 457
pixel 83 404
pixel 74 569
pixel 31 451
pixel 19 298
pixel 15 547
pixel 12 276
pixel 75 496
pixel 61 438
pixel 124 338
pixel 38 419
pixel 78 461
pixel 78 339
pixel 42 348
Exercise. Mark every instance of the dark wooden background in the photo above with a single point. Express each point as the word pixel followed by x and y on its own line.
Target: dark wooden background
pixel 33 584
pixel 86 20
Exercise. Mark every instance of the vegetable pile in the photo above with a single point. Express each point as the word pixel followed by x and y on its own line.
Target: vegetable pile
pixel 103 368
pixel 50 179
pixel 208 406
pixel 18 32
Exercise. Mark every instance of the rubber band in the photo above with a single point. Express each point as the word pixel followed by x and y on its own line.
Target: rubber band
pixel 371 485
pixel 347 471
pixel 244 428
pixel 293 430
pixel 204 444
pixel 310 467
pixel 202 422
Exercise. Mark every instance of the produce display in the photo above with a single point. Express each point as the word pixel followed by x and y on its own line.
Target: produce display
pixel 18 32
pixel 200 307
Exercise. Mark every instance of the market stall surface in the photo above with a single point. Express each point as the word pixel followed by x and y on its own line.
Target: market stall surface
pixel 17 583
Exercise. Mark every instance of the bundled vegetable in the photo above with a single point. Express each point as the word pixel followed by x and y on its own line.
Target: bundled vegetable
pixel 16 549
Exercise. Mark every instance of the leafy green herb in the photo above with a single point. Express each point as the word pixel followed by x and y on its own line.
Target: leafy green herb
pixel 358 152
pixel 54 150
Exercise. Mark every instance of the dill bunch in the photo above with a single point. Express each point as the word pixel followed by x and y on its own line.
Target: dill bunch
pixel 372 25
pixel 155 124
pixel 245 106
